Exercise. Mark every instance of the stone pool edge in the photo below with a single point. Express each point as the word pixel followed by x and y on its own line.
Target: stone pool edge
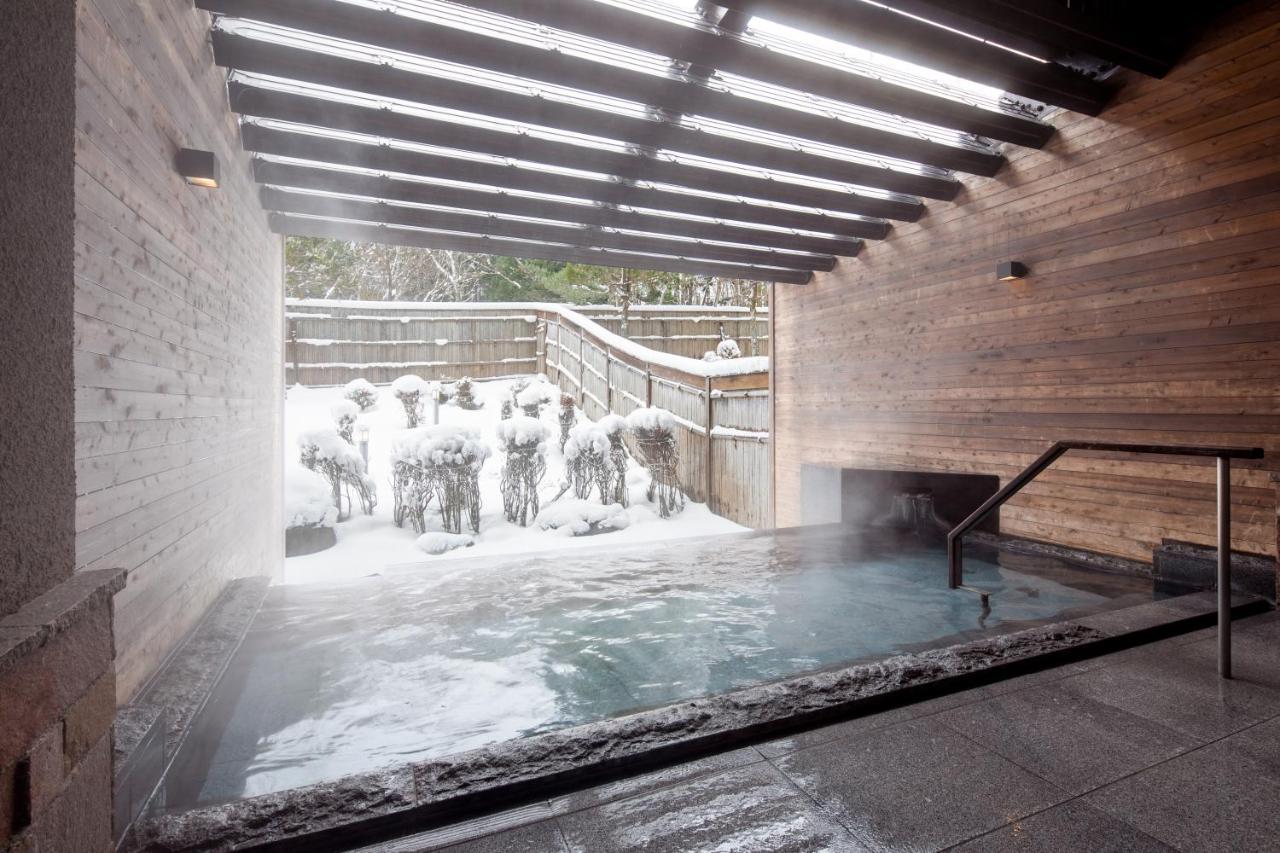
pixel 375 806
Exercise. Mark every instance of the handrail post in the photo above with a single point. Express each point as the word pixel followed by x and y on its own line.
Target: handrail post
pixel 1224 566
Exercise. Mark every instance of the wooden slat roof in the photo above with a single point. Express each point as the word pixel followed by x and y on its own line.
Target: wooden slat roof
pixel 720 140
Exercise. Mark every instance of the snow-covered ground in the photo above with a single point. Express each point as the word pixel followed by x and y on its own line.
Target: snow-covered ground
pixel 368 545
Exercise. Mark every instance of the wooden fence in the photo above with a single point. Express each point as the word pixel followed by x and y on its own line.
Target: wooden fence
pixel 332 342
pixel 722 421
pixel 722 412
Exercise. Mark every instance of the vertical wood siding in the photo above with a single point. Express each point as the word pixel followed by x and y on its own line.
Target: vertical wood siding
pixel 179 318
pixel 1151 314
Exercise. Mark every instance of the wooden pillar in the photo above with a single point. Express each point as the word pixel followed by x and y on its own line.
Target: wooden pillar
pixel 710 441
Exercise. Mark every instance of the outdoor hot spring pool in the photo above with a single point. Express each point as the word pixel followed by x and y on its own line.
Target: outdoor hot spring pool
pixel 439 658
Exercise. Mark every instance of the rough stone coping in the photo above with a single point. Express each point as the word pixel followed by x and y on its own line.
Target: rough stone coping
pixel 181 687
pixel 47 615
pixel 374 806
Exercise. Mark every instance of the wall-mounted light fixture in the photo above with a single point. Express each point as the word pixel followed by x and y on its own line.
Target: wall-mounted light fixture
pixel 1011 271
pixel 200 168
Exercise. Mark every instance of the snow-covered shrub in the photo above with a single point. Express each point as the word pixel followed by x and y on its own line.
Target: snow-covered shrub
pixel 324 452
pixel 586 461
pixel 532 399
pixel 464 394
pixel 344 414
pixel 568 417
pixel 583 518
pixel 507 410
pixel 525 441
pixel 443 462
pixel 361 392
pixel 615 427
pixel 728 348
pixel 308 499
pixel 515 388
pixel 710 356
pixel 654 431
pixel 412 391
pixel 441 543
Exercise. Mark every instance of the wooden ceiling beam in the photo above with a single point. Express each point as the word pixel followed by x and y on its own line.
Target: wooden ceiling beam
pixel 364 233
pixel 258 56
pixel 335 115
pixel 492 225
pixel 674 93
pixel 507 204
pixel 1137 37
pixel 888 32
pixel 728 53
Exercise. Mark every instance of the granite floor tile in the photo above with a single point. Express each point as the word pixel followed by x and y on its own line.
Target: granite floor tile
pixel 751 809
pixel 1075 742
pixel 1216 799
pixel 1072 827
pixel 528 828
pixel 542 837
pixel 1178 686
pixel 646 782
pixel 917 786
pixel 848 728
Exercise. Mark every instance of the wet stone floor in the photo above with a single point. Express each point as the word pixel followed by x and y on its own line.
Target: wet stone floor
pixel 342 678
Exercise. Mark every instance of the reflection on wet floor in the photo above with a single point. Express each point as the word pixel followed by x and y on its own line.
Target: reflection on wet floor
pixel 343 678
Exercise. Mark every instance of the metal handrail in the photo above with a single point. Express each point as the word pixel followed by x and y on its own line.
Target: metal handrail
pixel 1224 455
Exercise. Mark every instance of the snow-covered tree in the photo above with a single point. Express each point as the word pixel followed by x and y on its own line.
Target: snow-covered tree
pixel 525 441
pixel 324 452
pixel 412 391
pixel 654 431
pixel 362 392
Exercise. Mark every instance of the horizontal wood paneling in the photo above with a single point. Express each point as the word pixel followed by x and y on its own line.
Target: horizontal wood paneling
pixel 1152 314
pixel 178 332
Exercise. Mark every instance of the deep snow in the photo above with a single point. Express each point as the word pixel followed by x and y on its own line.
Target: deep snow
pixel 373 545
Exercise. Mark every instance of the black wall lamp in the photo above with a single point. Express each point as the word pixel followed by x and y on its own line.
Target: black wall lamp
pixel 200 168
pixel 1011 271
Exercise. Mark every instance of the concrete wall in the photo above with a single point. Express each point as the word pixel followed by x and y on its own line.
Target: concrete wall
pixel 178 329
pixel 37 98
pixel 1151 315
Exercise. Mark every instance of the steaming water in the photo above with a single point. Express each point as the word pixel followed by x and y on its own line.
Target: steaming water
pixel 344 678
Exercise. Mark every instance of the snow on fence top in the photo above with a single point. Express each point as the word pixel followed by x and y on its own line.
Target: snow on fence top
pixel 617 343
pixel 509 306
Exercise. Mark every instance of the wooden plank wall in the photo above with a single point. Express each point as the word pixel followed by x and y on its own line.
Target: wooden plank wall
pixel 179 320
pixel 1152 314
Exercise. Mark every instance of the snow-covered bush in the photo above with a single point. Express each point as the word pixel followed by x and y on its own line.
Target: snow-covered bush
pixel 344 414
pixel 525 441
pixel 507 410
pixel 441 543
pixel 615 427
pixel 654 431
pixel 464 394
pixel 586 461
pixel 324 452
pixel 361 392
pixel 568 417
pixel 583 518
pixel 443 462
pixel 412 391
pixel 728 348
pixel 308 499
pixel 532 399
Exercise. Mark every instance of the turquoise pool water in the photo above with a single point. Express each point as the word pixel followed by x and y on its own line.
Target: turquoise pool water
pixel 343 678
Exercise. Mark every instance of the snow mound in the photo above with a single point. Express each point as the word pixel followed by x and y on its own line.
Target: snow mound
pixel 441 543
pixel 729 349
pixel 612 424
pixel 522 431
pixel 361 392
pixel 308 499
pixel 410 384
pixel 327 444
pixel 444 444
pixel 344 409
pixel 583 518
pixel 585 438
pixel 537 394
pixel 651 418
